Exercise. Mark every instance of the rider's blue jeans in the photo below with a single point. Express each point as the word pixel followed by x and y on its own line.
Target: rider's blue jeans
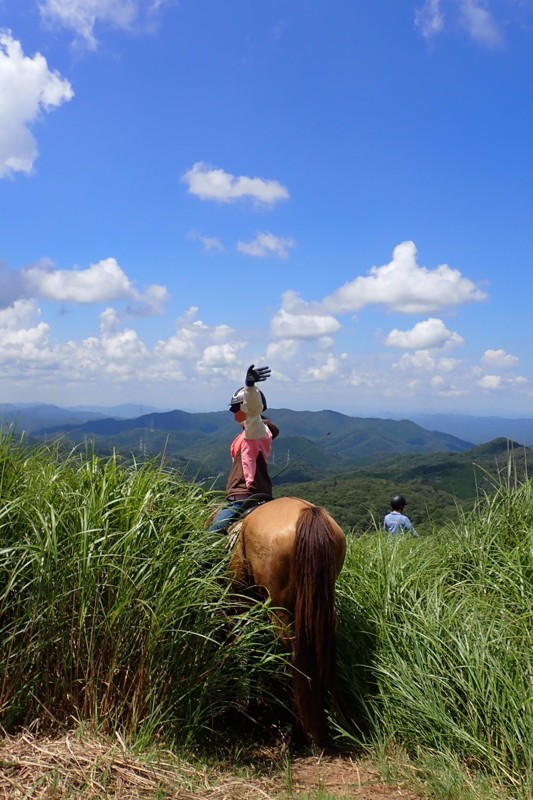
pixel 227 514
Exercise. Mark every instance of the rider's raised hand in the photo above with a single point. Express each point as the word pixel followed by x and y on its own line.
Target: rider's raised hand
pixel 256 374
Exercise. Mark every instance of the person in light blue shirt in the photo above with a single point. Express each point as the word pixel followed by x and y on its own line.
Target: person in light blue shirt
pixel 396 521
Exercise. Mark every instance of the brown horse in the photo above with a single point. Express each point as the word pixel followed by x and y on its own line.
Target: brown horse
pixel 294 551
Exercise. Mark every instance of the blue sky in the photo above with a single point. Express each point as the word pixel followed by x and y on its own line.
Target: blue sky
pixel 341 191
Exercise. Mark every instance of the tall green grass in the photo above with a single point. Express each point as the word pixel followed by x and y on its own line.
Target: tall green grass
pixel 114 607
pixel 436 646
pixel 115 611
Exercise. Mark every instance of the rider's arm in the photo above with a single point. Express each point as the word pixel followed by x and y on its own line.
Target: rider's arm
pixel 252 405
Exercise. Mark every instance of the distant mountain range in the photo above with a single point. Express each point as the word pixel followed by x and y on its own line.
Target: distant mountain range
pixel 350 463
pixel 469 427
pixel 318 442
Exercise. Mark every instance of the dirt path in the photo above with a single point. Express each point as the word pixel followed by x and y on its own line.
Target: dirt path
pixel 72 767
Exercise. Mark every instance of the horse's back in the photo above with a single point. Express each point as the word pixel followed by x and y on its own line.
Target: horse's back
pixel 267 546
pixel 272 524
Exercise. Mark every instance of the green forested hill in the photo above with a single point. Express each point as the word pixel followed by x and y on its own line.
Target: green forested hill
pixel 436 485
pixel 360 502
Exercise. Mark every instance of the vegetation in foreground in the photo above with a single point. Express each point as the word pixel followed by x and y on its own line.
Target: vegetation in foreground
pixel 115 614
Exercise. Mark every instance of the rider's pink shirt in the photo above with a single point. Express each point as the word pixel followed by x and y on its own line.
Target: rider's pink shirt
pixel 250 449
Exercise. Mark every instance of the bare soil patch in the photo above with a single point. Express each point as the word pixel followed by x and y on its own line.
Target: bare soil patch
pixel 345 778
pixel 85 768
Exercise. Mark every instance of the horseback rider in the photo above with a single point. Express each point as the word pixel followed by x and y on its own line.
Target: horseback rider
pixel 250 450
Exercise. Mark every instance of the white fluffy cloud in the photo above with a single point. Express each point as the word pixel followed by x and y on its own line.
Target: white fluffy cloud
pixel 266 244
pixel 499 359
pixel 102 282
pixel 297 320
pixel 121 348
pixel 427 362
pixel 424 335
pixel 21 322
pixel 209 350
pixel 28 87
pixel 117 354
pixel 219 356
pixel 23 338
pixel 82 16
pixel 501 382
pixel 19 315
pixel 490 382
pixel 209 183
pixel 283 351
pixel 325 369
pixel 404 286
pixel 302 326
pixel 198 357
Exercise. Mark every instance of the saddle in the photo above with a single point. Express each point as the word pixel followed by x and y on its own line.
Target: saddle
pixel 249 505
pixel 252 502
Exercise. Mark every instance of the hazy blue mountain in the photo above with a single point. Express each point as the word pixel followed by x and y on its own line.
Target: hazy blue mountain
pixel 478 429
pixel 123 411
pixel 31 417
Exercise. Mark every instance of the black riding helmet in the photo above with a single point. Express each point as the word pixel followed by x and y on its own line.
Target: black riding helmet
pixel 397 502
pixel 238 397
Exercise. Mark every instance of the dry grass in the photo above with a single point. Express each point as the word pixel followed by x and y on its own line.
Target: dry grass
pixel 87 768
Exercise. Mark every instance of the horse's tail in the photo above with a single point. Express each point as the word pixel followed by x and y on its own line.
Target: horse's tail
pixel 314 617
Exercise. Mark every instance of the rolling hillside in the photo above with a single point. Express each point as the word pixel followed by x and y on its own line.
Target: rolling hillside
pixel 311 444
